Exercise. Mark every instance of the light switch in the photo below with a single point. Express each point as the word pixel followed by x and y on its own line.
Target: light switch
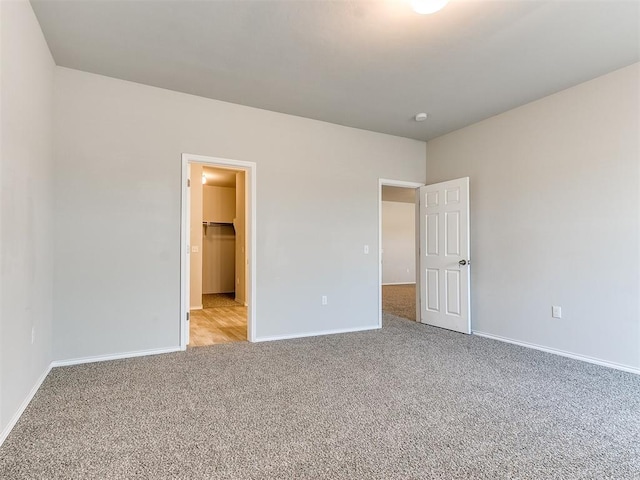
pixel 366 249
pixel 556 311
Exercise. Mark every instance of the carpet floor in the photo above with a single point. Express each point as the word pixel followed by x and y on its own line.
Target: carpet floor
pixel 408 401
pixel 399 300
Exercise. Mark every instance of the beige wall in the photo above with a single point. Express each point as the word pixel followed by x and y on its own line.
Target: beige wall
pixel 218 261
pixel 26 207
pixel 197 247
pixel 555 213
pixel 240 226
pixel 219 204
pixel 398 242
pixel 118 153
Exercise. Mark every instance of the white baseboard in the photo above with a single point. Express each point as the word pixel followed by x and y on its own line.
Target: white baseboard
pixel 197 307
pixel 562 353
pixel 399 283
pixel 12 423
pixel 315 334
pixel 116 356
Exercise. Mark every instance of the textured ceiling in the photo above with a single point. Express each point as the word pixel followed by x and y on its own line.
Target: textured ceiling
pixel 366 64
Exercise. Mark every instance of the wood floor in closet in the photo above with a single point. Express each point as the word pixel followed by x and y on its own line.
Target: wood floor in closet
pixel 211 326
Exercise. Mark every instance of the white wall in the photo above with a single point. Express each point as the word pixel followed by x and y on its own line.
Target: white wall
pixel 555 213
pixel 118 155
pixel 26 205
pixel 398 242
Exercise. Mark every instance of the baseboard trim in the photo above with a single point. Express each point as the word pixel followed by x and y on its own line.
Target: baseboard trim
pixel 399 283
pixel 197 307
pixel 315 334
pixel 12 423
pixel 562 353
pixel 117 356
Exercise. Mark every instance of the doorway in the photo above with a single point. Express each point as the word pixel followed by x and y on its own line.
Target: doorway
pixel 218 251
pixel 398 227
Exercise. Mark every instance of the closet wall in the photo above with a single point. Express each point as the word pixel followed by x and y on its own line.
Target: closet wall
pixel 195 232
pixel 241 239
pixel 219 241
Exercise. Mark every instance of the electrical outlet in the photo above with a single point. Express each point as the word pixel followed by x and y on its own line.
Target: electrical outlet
pixel 324 300
pixel 33 335
pixel 556 311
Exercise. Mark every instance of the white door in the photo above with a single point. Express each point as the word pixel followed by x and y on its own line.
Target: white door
pixel 444 255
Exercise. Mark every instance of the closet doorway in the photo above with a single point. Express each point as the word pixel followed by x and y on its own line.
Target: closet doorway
pixel 217 293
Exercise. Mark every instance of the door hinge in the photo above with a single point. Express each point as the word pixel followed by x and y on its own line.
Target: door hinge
pixel 187 316
pixel 188 182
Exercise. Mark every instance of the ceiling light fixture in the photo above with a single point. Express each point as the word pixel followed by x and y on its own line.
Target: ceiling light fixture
pixel 425 7
pixel 421 117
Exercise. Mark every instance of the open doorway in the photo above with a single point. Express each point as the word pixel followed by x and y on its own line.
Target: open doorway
pixel 217 275
pixel 398 247
pixel 217 282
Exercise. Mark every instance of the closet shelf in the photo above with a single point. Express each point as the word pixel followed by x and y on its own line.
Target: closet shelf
pixel 217 224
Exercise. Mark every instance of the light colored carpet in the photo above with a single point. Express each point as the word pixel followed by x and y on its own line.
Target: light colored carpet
pixel 406 402
pixel 399 300
pixel 215 300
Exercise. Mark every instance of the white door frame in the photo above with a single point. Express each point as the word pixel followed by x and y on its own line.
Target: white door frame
pixel 396 183
pixel 250 169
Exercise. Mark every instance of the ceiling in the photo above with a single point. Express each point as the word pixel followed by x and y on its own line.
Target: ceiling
pixel 368 64
pixel 398 194
pixel 220 177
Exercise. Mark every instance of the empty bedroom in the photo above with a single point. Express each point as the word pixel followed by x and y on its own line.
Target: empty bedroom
pixel 350 239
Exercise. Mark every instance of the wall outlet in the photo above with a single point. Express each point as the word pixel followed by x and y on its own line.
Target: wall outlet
pixel 33 335
pixel 556 311
pixel 324 300
pixel 195 249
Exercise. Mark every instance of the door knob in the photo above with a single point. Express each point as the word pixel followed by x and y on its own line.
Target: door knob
pixel 464 262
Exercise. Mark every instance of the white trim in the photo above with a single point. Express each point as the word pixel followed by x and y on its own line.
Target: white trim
pixel 250 170
pixel 115 356
pixel 562 353
pixel 25 403
pixel 399 283
pixel 404 184
pixel 315 334
pixel 197 307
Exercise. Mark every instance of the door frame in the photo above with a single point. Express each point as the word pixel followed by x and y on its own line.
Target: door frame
pixel 404 184
pixel 250 204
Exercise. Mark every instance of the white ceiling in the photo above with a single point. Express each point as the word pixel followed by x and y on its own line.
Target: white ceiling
pixel 367 64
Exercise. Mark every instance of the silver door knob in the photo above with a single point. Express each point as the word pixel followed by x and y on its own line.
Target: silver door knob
pixel 464 262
